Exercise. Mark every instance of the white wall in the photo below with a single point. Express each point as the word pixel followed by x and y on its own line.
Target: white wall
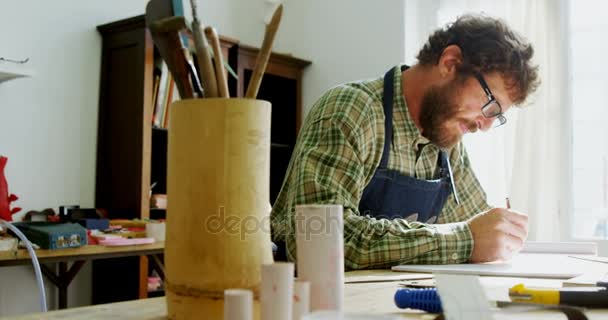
pixel 48 123
pixel 345 39
pixel 421 21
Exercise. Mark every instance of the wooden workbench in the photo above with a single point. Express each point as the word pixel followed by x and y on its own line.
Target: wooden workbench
pixel 88 252
pixel 79 256
pixel 370 297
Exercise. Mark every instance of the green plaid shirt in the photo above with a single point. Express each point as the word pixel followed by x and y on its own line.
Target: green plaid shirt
pixel 337 153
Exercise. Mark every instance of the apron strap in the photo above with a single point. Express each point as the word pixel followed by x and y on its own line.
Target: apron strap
pixel 387 104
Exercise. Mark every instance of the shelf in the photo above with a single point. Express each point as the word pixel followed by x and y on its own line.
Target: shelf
pixel 158 214
pixel 156 293
pixel 279 145
pixel 10 71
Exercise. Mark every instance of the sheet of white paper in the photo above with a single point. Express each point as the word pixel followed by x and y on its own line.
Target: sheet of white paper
pixel 364 276
pixel 533 265
pixel 560 247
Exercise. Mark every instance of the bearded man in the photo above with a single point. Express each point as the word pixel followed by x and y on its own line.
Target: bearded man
pixel 389 150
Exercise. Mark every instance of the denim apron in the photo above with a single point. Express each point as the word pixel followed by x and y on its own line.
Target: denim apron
pixel 391 194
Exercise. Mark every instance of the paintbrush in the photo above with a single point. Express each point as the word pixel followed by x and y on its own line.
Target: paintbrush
pixel 207 74
pixel 264 54
pixel 214 40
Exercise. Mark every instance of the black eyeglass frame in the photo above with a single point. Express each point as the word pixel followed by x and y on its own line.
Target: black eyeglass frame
pixel 491 99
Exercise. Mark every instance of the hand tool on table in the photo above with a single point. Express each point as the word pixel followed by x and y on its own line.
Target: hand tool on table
pixel 586 298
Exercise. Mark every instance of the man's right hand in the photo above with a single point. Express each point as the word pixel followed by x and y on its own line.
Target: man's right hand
pixel 497 234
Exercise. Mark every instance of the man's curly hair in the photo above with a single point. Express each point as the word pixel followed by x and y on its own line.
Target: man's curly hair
pixel 487 45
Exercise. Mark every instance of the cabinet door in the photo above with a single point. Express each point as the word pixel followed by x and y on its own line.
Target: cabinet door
pixel 123 149
pixel 124 130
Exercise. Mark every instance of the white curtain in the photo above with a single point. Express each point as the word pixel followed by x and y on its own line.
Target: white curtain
pixel 528 159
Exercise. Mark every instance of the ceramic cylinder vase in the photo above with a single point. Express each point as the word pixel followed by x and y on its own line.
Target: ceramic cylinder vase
pixel 218 229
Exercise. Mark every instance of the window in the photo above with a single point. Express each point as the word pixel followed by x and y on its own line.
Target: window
pixel 589 86
pixel 561 179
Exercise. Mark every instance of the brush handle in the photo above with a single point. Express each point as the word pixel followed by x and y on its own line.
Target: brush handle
pixel 203 57
pixel 264 54
pixel 220 75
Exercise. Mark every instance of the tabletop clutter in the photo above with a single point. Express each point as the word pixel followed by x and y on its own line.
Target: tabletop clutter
pixel 320 282
pixel 74 227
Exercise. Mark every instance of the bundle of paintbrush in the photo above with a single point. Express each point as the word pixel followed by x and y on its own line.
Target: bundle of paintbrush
pixel 170 35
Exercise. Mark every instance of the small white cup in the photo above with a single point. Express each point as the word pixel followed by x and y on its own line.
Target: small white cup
pixel 156 230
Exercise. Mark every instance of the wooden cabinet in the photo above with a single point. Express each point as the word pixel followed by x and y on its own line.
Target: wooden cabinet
pixel 131 154
pixel 123 148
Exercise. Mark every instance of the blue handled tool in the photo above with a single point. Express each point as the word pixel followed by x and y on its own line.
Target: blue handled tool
pixel 425 299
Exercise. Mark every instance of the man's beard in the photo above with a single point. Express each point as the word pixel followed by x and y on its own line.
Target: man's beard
pixel 437 109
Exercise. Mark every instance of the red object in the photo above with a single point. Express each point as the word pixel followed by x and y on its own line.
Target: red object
pixel 6 212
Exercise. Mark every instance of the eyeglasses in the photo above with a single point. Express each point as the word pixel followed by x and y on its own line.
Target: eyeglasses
pixel 492 108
